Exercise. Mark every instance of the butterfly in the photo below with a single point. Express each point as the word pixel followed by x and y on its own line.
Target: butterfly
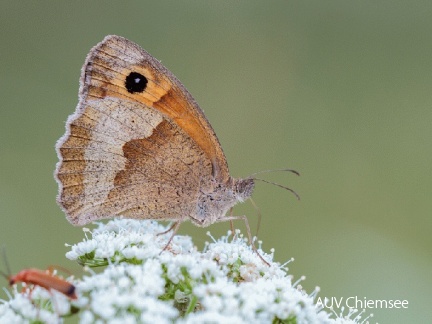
pixel 138 145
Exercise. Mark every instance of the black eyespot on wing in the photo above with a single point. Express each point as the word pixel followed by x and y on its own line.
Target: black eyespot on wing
pixel 135 82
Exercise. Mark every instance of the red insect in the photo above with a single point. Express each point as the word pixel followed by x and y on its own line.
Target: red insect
pixel 43 279
pixel 40 278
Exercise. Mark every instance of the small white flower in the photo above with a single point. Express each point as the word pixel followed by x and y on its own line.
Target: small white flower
pixel 146 281
pixel 213 318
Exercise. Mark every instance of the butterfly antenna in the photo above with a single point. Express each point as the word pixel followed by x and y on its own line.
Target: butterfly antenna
pixel 275 170
pixel 280 186
pixel 258 210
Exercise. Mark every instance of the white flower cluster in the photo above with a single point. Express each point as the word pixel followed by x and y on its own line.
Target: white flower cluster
pixel 34 305
pixel 226 283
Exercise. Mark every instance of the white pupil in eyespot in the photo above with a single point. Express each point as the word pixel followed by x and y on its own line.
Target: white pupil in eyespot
pixel 137 80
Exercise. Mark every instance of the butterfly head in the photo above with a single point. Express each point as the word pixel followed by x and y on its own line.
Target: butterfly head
pixel 214 203
pixel 243 188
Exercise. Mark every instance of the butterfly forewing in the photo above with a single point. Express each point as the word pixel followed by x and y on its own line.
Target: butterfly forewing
pixel 125 150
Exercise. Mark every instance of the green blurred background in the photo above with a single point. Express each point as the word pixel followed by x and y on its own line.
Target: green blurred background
pixel 338 90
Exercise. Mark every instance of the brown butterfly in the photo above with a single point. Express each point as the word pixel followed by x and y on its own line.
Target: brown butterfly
pixel 138 145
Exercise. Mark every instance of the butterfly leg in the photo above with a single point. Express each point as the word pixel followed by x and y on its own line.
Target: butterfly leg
pixel 232 222
pixel 251 242
pixel 174 228
pixel 168 230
